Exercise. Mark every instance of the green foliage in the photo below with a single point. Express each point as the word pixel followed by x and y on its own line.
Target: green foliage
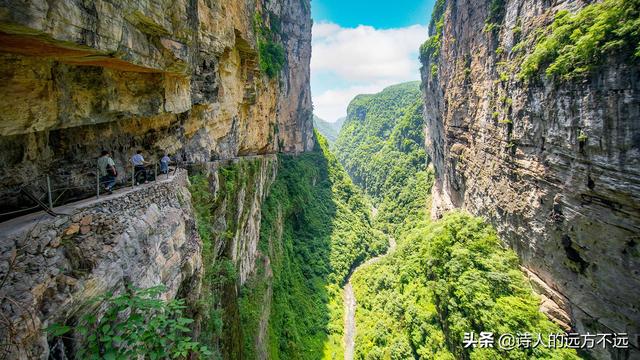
pixel 315 227
pixel 495 17
pixel 437 14
pixel 582 136
pixel 270 51
pixel 202 206
pixel 217 303
pixel 447 278
pixel 381 146
pixel 329 130
pixel 430 49
pixel 136 324
pixel 576 44
pixel 271 57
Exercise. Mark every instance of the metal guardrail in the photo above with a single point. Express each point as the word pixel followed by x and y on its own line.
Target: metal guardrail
pixel 44 196
pixel 48 197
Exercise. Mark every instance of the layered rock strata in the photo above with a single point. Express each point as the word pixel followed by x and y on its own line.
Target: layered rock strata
pixel 182 77
pixel 553 165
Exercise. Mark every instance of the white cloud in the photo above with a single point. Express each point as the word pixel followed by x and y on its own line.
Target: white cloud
pixel 364 59
pixel 331 104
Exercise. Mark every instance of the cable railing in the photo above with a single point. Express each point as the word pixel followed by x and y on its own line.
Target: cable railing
pixel 46 192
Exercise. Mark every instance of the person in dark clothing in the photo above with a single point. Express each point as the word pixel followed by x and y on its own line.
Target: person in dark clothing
pixel 107 171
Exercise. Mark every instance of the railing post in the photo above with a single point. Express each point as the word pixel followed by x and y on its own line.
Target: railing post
pixel 133 176
pixel 98 182
pixel 49 193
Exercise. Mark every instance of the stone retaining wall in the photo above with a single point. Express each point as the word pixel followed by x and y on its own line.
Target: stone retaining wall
pixel 49 271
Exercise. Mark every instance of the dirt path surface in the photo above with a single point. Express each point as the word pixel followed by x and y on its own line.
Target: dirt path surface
pixel 350 305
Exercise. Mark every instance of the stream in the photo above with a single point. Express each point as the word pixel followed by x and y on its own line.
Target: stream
pixel 350 304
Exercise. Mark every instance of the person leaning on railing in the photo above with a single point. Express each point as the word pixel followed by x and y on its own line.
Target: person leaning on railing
pixel 107 170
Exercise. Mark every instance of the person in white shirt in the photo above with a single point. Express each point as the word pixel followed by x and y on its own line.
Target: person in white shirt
pixel 140 173
pixel 164 164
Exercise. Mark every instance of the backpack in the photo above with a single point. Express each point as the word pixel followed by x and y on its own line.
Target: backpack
pixel 111 170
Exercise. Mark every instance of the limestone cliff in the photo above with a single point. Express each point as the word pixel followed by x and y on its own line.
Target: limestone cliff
pixel 186 77
pixel 554 165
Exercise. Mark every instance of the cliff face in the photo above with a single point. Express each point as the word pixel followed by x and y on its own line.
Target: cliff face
pixel 188 77
pixel 54 269
pixel 178 76
pixel 554 165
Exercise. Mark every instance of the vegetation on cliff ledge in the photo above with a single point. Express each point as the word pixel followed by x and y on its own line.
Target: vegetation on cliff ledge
pixel 270 51
pixel 430 49
pixel 578 43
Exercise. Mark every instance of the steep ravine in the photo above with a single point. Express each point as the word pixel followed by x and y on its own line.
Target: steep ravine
pixel 350 303
pixel 447 277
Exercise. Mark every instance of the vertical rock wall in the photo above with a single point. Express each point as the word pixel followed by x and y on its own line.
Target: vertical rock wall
pixel 510 151
pixel 182 77
pixel 238 190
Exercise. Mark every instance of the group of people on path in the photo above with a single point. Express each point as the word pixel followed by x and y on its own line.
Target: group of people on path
pixel 108 172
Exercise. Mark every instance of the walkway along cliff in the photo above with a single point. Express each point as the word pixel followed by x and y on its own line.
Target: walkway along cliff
pixel 550 155
pixel 201 80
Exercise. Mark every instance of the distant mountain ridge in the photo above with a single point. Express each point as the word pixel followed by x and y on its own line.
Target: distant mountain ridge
pixel 328 129
pixel 382 132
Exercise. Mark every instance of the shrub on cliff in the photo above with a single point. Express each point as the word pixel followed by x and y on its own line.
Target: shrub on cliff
pixel 270 52
pixel 430 49
pixel 577 43
pixel 136 325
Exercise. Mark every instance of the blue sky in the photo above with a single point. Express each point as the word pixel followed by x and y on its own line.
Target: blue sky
pixel 381 14
pixel 363 46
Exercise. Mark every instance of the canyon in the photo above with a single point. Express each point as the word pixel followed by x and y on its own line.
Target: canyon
pixel 509 196
pixel 187 78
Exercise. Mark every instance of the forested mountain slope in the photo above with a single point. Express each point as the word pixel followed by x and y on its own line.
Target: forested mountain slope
pixel 381 147
pixel 445 278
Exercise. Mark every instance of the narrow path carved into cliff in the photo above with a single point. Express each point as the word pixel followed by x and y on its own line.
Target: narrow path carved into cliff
pixel 350 304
